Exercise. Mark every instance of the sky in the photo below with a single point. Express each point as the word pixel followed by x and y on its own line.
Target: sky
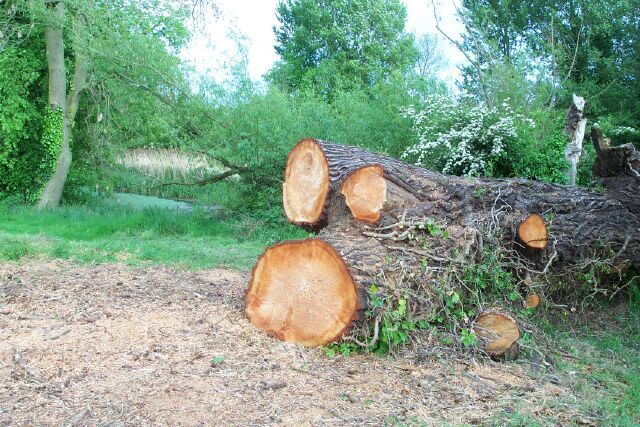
pixel 213 49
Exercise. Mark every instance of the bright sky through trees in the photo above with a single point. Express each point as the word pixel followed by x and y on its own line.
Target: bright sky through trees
pixel 253 21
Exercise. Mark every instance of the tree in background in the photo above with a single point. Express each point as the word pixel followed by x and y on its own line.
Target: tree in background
pixel 331 45
pixel 560 47
pixel 430 59
pixel 121 53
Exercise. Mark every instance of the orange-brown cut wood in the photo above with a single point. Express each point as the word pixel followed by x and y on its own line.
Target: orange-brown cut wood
pixel 533 232
pixel 302 291
pixel 532 301
pixel 365 193
pixel 500 330
pixel 306 183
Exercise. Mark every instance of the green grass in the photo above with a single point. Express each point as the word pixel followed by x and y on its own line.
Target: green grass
pixel 603 369
pixel 110 233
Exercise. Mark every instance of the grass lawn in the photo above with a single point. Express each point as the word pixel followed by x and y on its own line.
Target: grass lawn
pixel 111 233
pixel 598 355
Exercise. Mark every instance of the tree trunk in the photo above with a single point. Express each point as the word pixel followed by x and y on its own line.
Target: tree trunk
pixel 395 232
pixel 59 100
pixel 53 34
pixel 316 291
pixel 576 126
pixel 617 169
pixel 581 223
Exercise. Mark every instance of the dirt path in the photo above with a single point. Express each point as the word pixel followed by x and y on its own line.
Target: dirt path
pixel 109 345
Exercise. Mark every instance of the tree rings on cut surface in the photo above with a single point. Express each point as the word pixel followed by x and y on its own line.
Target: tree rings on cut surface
pixel 533 232
pixel 302 291
pixel 365 192
pixel 306 183
pixel 500 331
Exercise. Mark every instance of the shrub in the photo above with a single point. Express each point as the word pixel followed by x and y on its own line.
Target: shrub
pixel 459 139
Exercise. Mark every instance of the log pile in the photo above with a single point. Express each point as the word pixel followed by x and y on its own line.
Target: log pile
pixel 390 230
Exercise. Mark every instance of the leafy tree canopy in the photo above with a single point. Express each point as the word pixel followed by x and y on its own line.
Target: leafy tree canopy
pixel 331 45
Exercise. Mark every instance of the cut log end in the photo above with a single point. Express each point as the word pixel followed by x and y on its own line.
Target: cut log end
pixel 306 183
pixel 365 193
pixel 302 291
pixel 533 232
pixel 500 331
pixel 532 301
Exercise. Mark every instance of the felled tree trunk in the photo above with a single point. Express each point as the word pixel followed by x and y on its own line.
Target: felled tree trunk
pixel 570 223
pixel 316 170
pixel 410 233
pixel 315 291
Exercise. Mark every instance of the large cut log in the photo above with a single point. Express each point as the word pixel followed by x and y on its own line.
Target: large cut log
pixel 312 291
pixel 302 291
pixel 316 170
pixel 572 223
pixel 315 291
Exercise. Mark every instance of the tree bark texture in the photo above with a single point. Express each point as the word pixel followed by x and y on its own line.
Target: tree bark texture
pixel 576 126
pixel 617 169
pixel 582 223
pixel 58 98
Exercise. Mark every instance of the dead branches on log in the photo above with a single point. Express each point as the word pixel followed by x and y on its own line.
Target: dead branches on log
pixel 399 240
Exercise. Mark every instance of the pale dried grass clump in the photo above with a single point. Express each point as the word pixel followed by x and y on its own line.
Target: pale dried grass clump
pixel 168 163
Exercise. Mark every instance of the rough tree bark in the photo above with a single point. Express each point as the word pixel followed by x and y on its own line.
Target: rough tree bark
pixel 58 98
pixel 404 228
pixel 617 169
pixel 582 223
pixel 576 126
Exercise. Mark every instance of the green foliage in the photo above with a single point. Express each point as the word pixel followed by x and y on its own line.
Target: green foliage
pixel 490 279
pixel 337 45
pixel 261 127
pixel 538 152
pixel 468 338
pixel 215 361
pixel 22 103
pixel 586 47
pixel 462 139
pixel 393 321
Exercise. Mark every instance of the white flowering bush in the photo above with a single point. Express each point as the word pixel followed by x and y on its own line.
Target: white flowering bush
pixel 458 139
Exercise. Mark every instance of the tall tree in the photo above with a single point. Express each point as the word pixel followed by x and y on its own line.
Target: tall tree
pixel 123 52
pixel 430 59
pixel 66 104
pixel 329 45
pixel 579 46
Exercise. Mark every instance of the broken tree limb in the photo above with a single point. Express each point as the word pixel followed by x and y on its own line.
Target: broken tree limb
pixel 617 169
pixel 575 128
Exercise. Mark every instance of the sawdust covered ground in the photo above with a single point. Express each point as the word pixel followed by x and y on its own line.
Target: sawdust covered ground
pixel 110 345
